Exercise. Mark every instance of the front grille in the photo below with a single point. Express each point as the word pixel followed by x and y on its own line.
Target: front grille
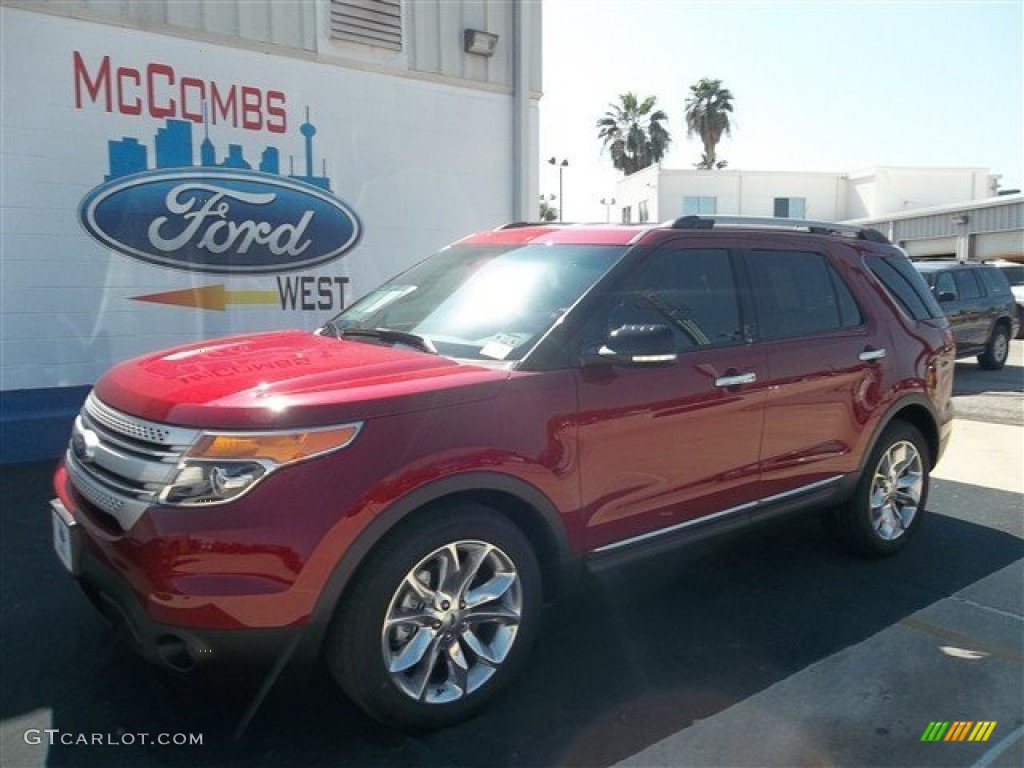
pixel 121 463
pixel 120 424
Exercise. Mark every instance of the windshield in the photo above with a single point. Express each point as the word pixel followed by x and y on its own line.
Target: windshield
pixel 479 302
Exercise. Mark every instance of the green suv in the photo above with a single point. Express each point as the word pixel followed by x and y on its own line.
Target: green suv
pixel 979 304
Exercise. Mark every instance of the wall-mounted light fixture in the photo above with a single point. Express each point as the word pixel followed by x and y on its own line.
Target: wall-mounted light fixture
pixel 960 218
pixel 479 42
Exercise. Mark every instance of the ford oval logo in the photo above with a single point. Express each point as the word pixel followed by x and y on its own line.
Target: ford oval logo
pixel 84 443
pixel 220 221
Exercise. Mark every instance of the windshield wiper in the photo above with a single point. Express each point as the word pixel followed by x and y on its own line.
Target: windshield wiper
pixel 387 334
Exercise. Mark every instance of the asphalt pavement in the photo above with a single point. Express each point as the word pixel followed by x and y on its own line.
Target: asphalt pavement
pixel 774 648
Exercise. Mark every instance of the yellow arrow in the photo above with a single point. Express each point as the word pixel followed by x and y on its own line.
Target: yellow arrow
pixel 214 297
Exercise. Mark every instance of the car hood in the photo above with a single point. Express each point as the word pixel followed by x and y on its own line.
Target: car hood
pixel 288 379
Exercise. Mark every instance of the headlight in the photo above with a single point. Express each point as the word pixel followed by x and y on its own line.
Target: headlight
pixel 221 466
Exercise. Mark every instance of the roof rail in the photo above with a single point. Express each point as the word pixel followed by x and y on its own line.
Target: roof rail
pixel 797 225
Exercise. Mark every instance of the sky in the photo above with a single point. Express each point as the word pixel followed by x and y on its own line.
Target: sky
pixel 817 86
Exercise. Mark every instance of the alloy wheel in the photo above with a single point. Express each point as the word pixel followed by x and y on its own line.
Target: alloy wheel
pixel 896 490
pixel 452 622
pixel 1000 347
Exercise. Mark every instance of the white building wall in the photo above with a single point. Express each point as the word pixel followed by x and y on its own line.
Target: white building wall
pixel 828 196
pixel 421 158
pixel 431 30
pixel 741 193
pixel 892 189
pixel 640 186
pixel 677 185
pixel 861 197
pixel 758 191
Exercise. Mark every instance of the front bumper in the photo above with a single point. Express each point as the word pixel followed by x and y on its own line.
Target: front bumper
pixel 183 649
pixel 236 623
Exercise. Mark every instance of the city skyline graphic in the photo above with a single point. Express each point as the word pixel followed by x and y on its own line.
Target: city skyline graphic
pixel 174 148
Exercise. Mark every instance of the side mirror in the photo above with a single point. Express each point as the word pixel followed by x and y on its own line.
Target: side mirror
pixel 636 345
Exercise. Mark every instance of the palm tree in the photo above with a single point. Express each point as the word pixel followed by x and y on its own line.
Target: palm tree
pixel 633 133
pixel 707 115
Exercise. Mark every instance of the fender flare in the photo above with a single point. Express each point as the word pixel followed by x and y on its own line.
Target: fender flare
pixel 385 522
pixel 893 412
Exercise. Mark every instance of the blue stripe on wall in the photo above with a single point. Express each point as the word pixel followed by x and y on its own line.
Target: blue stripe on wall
pixel 35 423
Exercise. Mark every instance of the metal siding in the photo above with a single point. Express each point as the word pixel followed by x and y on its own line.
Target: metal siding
pixel 221 17
pixel 185 13
pixel 435 30
pixel 422 23
pixel 141 9
pixel 291 24
pixel 473 67
pixel 296 30
pixel 995 218
pixel 500 20
pixel 449 37
pixel 254 20
pixel 428 31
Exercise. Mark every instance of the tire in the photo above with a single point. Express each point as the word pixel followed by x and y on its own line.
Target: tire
pixel 998 349
pixel 439 618
pixel 888 504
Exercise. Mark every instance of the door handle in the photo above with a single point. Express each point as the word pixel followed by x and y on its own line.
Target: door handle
pixel 735 380
pixel 870 355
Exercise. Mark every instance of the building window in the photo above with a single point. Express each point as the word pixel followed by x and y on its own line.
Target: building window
pixel 642 213
pixel 371 22
pixel 790 207
pixel 700 206
pixel 627 215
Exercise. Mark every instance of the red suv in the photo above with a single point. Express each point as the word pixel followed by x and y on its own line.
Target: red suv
pixel 402 490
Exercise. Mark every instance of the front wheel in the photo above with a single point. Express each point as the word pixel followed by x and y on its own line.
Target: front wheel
pixel 438 620
pixel 997 351
pixel 889 502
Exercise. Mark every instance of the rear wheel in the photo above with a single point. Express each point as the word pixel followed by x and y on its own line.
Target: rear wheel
pixel 998 349
pixel 439 619
pixel 889 502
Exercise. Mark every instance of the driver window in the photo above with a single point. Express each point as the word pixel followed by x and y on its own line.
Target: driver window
pixel 693 292
pixel 944 284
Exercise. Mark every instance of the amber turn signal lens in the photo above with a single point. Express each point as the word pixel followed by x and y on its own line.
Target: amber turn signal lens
pixel 279 447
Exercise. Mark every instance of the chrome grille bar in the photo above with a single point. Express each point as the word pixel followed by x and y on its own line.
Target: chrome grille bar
pixel 119 462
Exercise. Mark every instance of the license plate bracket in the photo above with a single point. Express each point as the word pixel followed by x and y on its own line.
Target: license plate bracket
pixel 66 537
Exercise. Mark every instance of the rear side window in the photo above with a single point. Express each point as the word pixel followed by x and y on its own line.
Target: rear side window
pixel 995 281
pixel 1013 272
pixel 798 293
pixel 906 287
